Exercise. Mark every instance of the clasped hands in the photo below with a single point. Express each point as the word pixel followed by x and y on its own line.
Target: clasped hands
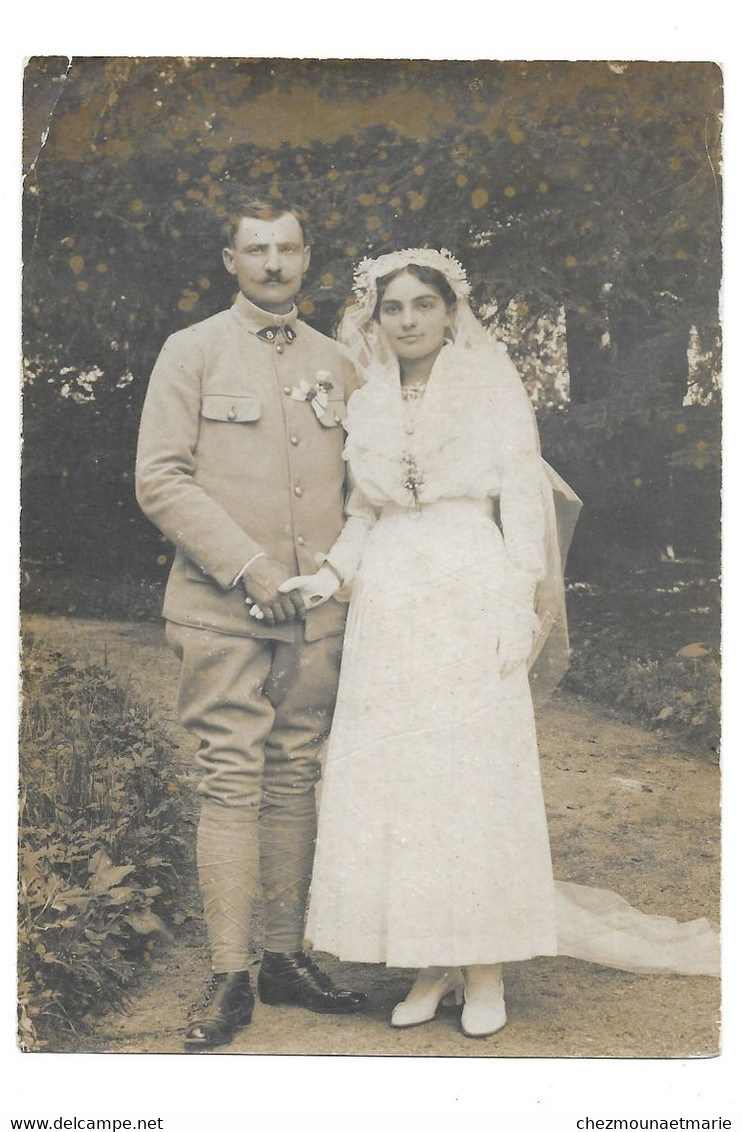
pixel 274 597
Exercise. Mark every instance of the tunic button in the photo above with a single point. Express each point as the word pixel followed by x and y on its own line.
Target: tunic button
pixel 287 390
pixel 410 429
pixel 279 348
pixel 231 414
pixel 337 419
pixel 298 490
pixel 301 540
pixel 294 440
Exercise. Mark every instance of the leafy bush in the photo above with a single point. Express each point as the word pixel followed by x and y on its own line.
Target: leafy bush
pixel 647 643
pixel 101 818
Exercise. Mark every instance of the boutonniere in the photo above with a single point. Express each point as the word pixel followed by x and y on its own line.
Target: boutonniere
pixel 317 394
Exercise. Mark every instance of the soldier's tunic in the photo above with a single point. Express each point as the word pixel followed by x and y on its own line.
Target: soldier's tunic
pixel 230 462
pixel 240 450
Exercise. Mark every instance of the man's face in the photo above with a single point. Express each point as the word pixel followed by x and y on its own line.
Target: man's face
pixel 269 259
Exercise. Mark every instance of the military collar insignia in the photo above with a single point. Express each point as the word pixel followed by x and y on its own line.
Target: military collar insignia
pixel 271 333
pixel 268 327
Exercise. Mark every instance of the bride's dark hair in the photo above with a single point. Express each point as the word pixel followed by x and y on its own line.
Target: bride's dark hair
pixel 428 275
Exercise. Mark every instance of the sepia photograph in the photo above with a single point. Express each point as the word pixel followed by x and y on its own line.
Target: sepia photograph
pixel 370 558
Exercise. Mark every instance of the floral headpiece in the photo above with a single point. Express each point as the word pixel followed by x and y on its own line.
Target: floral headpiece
pixel 369 271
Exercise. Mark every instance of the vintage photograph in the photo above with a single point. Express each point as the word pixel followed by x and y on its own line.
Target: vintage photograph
pixel 370 557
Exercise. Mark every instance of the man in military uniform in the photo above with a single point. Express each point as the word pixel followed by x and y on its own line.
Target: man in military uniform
pixel 240 465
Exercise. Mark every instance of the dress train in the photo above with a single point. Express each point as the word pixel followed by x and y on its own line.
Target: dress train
pixel 599 926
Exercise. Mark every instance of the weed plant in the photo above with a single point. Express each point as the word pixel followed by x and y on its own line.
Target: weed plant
pixel 101 842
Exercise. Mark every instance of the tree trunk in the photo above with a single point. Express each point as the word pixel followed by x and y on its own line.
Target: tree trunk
pixel 651 354
pixel 646 360
pixel 589 362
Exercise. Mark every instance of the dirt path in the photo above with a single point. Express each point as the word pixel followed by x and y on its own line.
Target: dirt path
pixel 629 810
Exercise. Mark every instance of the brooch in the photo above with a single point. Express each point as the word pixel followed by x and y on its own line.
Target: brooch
pixel 413 479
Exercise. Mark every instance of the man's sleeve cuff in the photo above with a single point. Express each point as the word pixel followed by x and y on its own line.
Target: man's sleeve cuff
pixel 238 577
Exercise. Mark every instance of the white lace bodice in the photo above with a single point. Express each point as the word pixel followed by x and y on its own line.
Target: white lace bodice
pixel 471 435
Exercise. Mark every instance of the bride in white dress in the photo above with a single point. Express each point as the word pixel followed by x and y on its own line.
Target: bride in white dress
pixel 433 849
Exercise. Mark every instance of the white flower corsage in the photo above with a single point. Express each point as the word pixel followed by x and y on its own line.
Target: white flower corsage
pixel 317 395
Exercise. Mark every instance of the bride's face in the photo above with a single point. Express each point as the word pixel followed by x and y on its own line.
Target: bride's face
pixel 413 316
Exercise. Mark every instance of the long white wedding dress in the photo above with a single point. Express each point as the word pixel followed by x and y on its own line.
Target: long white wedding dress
pixel 433 847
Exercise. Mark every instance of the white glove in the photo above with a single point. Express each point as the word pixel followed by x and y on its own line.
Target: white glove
pixel 518 628
pixel 315 589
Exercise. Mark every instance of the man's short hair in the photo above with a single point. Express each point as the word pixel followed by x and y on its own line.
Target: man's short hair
pixel 244 204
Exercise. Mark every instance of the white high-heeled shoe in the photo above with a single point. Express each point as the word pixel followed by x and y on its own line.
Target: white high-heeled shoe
pixel 433 985
pixel 484 1001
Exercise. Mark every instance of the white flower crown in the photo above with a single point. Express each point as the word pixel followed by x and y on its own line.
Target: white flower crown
pixel 369 271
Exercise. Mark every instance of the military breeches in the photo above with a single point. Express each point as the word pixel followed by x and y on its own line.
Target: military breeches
pixel 260 709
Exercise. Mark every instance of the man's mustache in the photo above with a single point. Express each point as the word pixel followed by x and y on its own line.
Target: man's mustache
pixel 274 277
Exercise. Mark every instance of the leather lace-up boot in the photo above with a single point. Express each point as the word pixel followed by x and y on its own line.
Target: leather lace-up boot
pixel 294 978
pixel 228 1005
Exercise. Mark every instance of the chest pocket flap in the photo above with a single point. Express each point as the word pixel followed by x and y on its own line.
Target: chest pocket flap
pixel 224 407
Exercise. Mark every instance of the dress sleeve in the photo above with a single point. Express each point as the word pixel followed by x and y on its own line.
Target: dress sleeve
pixel 346 553
pixel 521 486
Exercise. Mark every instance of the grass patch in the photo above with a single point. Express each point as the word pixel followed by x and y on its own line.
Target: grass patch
pixel 102 825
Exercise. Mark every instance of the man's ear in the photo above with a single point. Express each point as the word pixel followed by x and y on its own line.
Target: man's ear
pixel 228 257
pixel 307 257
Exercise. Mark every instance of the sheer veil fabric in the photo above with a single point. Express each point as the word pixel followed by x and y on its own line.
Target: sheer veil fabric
pixel 474 390
pixel 599 926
